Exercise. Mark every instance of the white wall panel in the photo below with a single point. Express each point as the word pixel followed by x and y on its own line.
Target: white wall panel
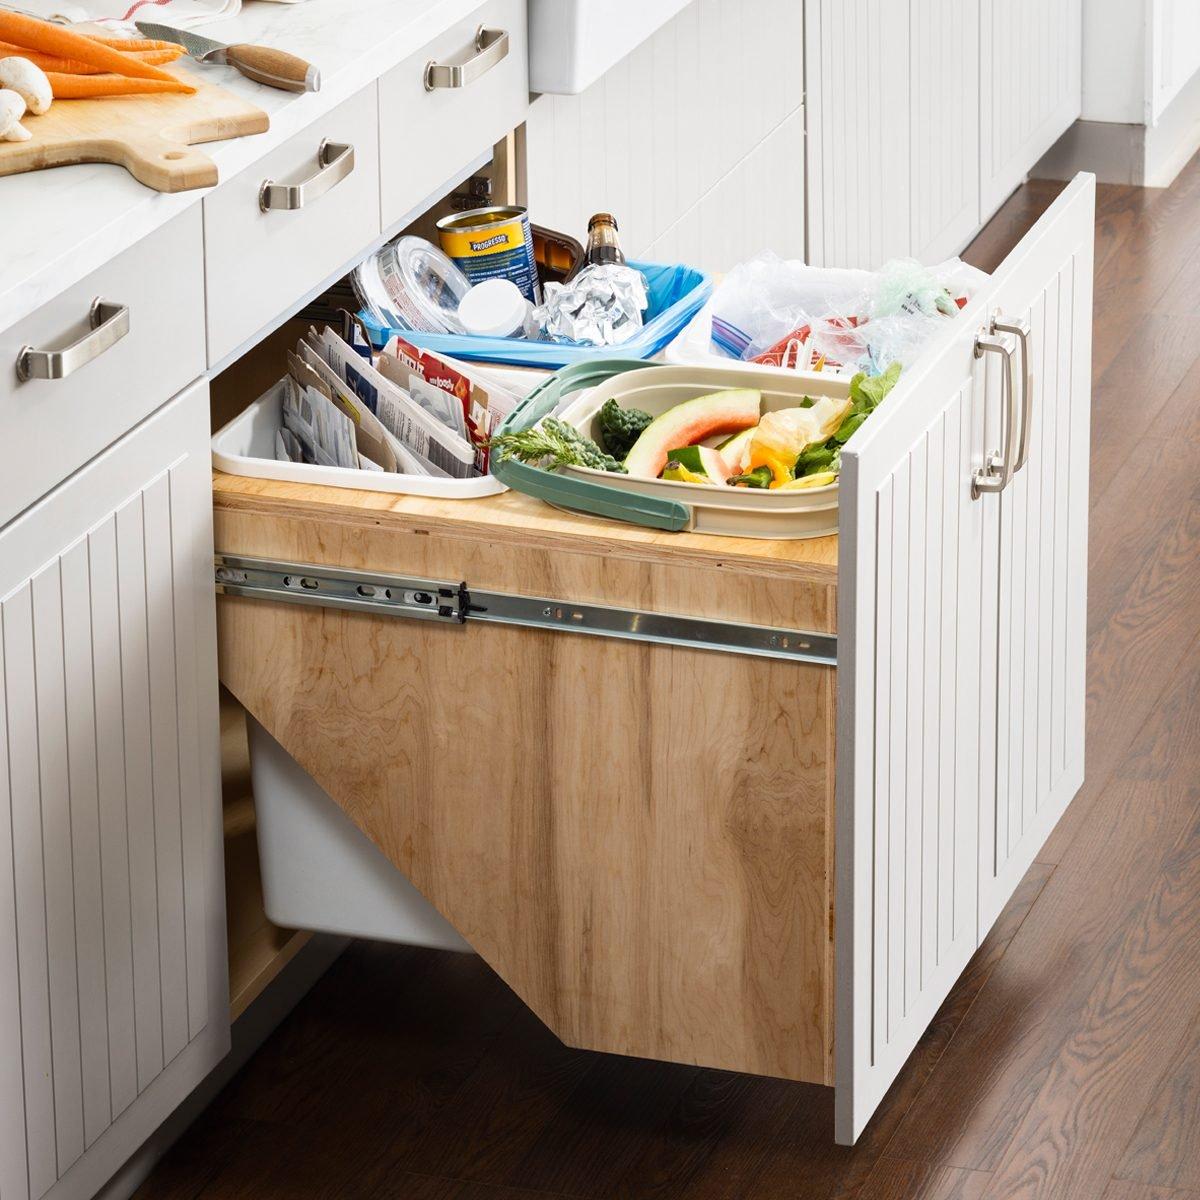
pixel 677 122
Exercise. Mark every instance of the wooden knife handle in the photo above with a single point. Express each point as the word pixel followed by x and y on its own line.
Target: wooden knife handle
pixel 275 68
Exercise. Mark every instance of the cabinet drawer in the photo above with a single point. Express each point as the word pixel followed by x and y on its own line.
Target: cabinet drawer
pixel 108 386
pixel 429 134
pixel 260 261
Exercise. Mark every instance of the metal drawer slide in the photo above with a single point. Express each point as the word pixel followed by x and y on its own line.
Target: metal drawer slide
pixel 457 603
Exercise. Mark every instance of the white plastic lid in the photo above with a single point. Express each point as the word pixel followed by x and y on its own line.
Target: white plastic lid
pixel 493 308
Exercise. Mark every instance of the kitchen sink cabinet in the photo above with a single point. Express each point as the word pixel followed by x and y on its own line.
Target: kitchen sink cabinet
pixel 956 102
pixel 641 833
pixel 1030 81
pixel 113 997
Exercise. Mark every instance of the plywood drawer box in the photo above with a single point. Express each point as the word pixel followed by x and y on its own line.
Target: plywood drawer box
pixel 427 133
pixel 641 829
pixel 111 367
pixel 267 250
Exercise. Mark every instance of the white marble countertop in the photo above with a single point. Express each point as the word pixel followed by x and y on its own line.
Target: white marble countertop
pixel 58 225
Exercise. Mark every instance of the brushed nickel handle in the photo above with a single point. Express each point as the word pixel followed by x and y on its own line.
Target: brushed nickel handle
pixel 491 46
pixel 335 160
pixel 109 324
pixel 1019 328
pixel 997 471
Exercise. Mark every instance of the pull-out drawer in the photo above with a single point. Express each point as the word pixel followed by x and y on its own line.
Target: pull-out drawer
pixel 279 230
pixel 91 363
pixel 451 102
pixel 529 780
pixel 629 810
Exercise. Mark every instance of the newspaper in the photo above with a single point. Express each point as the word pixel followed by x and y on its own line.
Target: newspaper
pixel 404 418
pixel 324 433
pixel 479 407
pixel 385 452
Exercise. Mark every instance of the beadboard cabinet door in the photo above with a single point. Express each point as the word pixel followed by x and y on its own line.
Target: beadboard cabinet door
pixel 961 626
pixel 113 994
pixel 893 162
pixel 694 140
pixel 1030 87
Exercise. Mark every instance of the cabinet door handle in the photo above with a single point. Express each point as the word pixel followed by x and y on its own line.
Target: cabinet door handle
pixel 491 45
pixel 997 471
pixel 335 160
pixel 1019 328
pixel 109 324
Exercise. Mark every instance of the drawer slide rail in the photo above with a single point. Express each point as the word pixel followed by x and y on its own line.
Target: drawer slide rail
pixel 458 604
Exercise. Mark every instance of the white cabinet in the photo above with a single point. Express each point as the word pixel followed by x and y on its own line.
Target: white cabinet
pixel 694 140
pixel 113 1000
pixel 277 231
pixel 924 115
pixel 428 135
pixel 961 645
pixel 1030 87
pixel 60 423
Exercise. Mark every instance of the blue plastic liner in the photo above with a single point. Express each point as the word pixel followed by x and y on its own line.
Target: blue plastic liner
pixel 675 295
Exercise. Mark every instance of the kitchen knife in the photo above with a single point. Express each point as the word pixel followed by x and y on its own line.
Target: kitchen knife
pixel 275 68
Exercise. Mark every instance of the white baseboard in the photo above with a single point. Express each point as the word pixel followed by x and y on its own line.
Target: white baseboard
pixel 1144 156
pixel 250 1030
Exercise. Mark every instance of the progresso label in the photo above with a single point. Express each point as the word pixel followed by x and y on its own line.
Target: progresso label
pixel 493 243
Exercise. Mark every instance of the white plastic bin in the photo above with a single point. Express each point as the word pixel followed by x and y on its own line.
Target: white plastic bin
pixel 246 446
pixel 319 870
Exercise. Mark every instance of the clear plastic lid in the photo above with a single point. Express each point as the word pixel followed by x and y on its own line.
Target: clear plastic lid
pixel 411 284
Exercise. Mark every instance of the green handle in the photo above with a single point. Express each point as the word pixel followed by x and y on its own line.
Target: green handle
pixel 582 495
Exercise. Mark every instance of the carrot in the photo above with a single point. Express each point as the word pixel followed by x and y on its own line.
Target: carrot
pixel 78 87
pixel 122 43
pixel 54 39
pixel 51 62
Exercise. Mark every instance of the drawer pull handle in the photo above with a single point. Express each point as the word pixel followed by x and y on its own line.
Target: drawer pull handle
pixel 491 46
pixel 335 160
pixel 109 324
pixel 1019 328
pixel 997 470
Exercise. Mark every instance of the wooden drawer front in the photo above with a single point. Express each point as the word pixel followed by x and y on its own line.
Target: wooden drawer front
pixel 51 427
pixel 427 136
pixel 261 264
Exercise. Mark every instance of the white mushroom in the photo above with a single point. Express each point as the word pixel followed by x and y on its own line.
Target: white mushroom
pixel 29 81
pixel 12 109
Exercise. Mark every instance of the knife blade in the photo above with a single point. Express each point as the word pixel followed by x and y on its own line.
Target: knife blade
pixel 275 68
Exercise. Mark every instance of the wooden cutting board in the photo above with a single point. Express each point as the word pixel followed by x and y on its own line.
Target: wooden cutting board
pixel 151 136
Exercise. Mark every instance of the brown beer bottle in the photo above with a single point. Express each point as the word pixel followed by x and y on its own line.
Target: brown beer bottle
pixel 603 245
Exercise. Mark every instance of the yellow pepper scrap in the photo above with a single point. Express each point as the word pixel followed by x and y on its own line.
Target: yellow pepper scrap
pixel 782 436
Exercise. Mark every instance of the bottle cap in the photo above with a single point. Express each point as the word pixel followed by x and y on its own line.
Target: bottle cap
pixel 494 308
pixel 603 219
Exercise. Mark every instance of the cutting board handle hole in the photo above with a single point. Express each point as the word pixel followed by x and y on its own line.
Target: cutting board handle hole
pixel 174 154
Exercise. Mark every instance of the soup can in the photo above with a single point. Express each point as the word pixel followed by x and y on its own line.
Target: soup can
pixel 493 243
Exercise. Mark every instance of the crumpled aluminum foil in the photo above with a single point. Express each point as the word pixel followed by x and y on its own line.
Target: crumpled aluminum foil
pixel 601 306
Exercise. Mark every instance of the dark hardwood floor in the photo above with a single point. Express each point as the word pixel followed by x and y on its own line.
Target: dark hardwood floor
pixel 1066 1062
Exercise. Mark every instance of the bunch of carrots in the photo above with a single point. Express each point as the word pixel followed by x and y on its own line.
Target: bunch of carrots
pixel 79 65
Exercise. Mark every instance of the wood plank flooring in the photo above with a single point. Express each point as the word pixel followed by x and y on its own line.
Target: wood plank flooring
pixel 1066 1062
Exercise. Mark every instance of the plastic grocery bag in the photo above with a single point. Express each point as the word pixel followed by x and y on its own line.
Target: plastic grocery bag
pixel 902 307
pixel 767 298
pixel 783 313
